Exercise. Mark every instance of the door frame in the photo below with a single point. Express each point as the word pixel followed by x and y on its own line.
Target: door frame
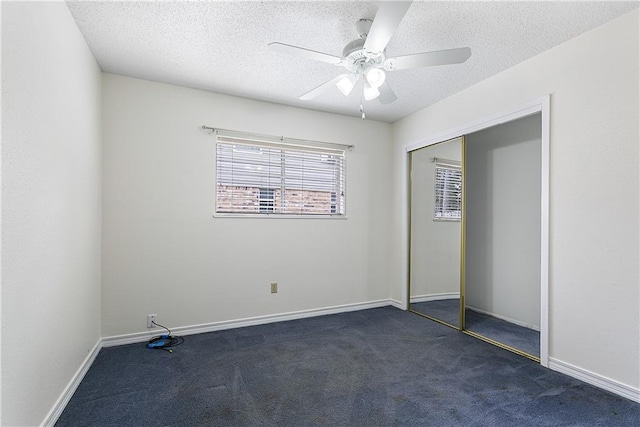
pixel 539 105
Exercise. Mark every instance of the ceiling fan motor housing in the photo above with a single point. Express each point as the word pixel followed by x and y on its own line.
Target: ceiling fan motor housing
pixel 354 56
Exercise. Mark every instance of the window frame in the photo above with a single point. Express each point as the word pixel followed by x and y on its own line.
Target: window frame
pixel 272 142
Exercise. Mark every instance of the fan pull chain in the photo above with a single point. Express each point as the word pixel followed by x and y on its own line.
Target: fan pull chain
pixel 362 101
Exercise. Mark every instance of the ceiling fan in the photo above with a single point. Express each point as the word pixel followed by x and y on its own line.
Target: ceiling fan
pixel 365 59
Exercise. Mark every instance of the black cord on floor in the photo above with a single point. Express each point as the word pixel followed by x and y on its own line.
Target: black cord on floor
pixel 164 342
pixel 158 324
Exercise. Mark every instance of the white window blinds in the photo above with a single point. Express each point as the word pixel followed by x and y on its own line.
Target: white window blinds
pixel 448 192
pixel 259 176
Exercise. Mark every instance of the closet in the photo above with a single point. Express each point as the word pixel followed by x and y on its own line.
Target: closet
pixel 475 226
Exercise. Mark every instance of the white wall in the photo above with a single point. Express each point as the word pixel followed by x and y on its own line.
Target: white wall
pixel 594 151
pixel 435 245
pixel 503 221
pixel 51 207
pixel 164 253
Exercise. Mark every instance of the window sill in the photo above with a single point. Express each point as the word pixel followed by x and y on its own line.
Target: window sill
pixel 278 216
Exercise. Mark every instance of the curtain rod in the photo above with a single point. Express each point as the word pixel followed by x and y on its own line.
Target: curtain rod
pixel 446 161
pixel 293 141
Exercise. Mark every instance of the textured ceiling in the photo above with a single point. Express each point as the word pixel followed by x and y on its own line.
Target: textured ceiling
pixel 222 46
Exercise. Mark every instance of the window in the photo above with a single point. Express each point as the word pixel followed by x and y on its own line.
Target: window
pixel 262 175
pixel 448 192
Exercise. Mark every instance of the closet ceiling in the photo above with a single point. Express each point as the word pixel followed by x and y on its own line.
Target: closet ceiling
pixel 221 46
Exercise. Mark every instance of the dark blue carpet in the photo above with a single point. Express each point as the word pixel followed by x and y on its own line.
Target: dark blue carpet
pixel 378 367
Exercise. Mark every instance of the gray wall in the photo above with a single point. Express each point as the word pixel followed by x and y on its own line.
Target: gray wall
pixel 160 237
pixel 503 221
pixel 435 245
pixel 51 207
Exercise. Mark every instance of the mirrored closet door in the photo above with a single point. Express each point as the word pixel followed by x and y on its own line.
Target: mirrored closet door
pixel 475 234
pixel 435 231
pixel 502 234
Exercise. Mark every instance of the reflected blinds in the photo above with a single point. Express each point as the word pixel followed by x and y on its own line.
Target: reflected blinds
pixel 448 192
pixel 256 176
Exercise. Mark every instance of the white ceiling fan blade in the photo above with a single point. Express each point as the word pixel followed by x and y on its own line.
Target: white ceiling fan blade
pixel 439 57
pixel 384 25
pixel 386 94
pixel 304 53
pixel 320 89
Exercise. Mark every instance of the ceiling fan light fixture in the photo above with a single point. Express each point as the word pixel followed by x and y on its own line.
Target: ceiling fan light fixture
pixel 370 92
pixel 345 84
pixel 375 77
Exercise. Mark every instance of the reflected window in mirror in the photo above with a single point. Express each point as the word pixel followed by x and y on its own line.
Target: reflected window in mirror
pixel 448 191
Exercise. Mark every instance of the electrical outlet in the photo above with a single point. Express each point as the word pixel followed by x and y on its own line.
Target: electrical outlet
pixel 150 319
pixel 274 287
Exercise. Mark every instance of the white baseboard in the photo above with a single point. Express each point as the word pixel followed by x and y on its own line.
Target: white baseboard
pixel 595 379
pixel 397 304
pixel 505 318
pixel 239 323
pixel 61 403
pixel 435 297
